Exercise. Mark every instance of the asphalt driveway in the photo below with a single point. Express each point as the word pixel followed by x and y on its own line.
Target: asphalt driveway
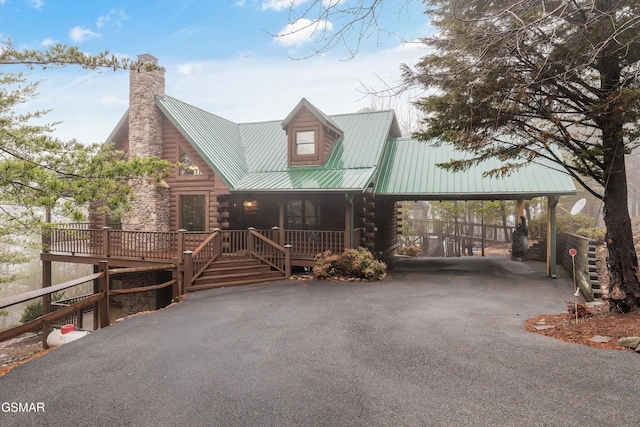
pixel 439 343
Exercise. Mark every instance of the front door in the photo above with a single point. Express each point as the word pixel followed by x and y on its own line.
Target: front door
pixel 192 212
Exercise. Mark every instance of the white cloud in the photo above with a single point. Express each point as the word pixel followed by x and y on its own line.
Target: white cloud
pixel 36 4
pixel 331 3
pixel 116 16
pixel 79 34
pixel 109 100
pixel 48 42
pixel 102 20
pixel 280 5
pixel 189 68
pixel 301 32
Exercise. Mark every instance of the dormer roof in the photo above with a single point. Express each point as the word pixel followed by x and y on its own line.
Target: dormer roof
pixel 323 118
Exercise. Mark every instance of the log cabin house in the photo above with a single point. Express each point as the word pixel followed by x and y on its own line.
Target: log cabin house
pixel 250 201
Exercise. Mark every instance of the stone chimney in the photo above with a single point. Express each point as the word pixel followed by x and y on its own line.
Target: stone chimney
pixel 151 208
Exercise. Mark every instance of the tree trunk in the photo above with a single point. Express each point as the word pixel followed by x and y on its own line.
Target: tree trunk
pixel 624 289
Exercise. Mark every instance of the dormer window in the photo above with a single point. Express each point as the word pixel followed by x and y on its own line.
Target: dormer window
pixel 304 145
pixel 311 135
pixel 305 142
pixel 187 166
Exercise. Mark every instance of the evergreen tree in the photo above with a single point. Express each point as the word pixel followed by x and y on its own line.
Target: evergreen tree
pixel 39 172
pixel 516 80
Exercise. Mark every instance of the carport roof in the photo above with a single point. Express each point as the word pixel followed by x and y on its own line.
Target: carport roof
pixel 410 171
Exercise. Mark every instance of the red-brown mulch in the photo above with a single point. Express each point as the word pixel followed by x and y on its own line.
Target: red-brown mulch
pixel 602 322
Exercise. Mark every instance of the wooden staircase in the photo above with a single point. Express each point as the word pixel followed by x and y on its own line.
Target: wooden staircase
pixel 235 272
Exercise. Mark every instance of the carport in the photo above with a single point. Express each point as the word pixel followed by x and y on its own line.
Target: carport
pixel 411 173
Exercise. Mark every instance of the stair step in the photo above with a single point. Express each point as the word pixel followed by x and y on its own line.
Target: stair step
pixel 235 283
pixel 231 277
pixel 215 270
pixel 235 262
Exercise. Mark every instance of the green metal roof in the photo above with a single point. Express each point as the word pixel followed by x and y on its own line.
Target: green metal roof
pixel 409 169
pixel 253 156
pixel 216 139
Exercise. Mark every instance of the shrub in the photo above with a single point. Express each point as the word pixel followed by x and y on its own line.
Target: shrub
pixel 411 250
pixel 564 224
pixel 31 312
pixel 353 263
pixel 34 309
pixel 596 234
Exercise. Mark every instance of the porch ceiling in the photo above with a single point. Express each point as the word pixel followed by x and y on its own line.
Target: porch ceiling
pixel 410 172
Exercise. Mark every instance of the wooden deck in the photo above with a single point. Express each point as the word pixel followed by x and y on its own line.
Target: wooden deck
pixel 81 244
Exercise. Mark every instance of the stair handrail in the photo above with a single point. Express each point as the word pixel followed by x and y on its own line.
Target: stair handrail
pixel 269 251
pixel 206 253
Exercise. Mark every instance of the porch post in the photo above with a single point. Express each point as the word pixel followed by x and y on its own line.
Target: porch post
pixel 106 242
pixel 552 202
pixel 348 221
pixel 287 260
pixel 281 206
pixel 188 270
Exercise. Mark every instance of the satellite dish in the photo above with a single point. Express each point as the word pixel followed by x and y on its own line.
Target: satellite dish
pixel 575 210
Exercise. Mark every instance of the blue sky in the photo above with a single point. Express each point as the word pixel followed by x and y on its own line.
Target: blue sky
pixel 219 55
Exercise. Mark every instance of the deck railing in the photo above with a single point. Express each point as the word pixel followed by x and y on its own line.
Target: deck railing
pixel 207 252
pixel 279 257
pixel 308 243
pixel 145 245
pixel 98 301
pixel 77 317
pixel 78 239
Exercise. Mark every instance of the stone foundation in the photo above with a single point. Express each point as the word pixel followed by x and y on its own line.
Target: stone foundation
pixel 128 304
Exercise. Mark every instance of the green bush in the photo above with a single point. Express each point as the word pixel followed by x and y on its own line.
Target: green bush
pixel 34 309
pixel 596 234
pixel 32 312
pixel 411 250
pixel 353 263
pixel 564 224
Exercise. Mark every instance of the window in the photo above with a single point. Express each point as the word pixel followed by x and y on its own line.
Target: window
pixel 303 214
pixel 305 143
pixel 192 212
pixel 187 166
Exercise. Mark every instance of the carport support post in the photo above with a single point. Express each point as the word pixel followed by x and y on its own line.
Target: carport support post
pixel 520 203
pixel 552 203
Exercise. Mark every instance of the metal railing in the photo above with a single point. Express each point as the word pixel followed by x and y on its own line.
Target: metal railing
pixel 77 317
